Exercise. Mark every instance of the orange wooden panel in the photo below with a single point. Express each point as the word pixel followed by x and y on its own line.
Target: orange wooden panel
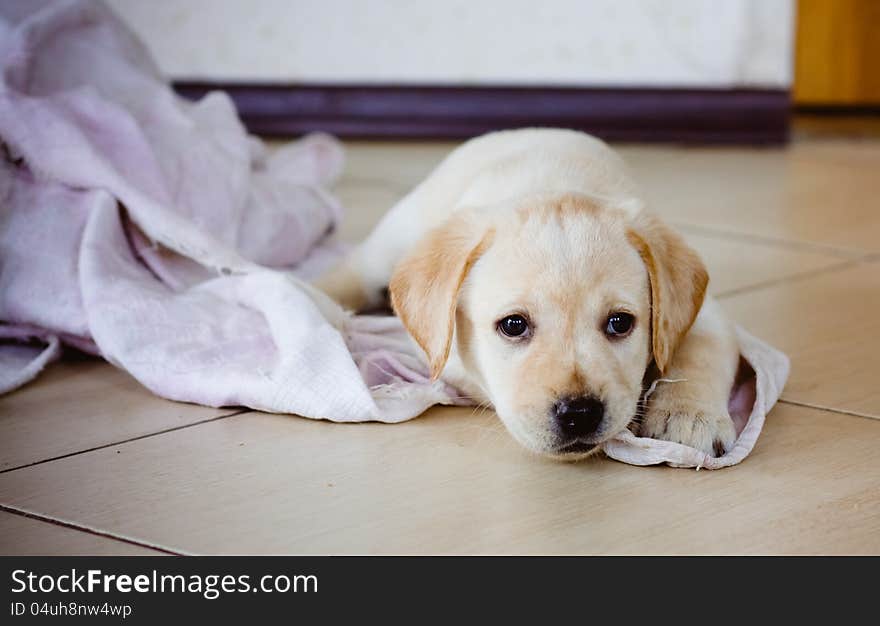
pixel 837 58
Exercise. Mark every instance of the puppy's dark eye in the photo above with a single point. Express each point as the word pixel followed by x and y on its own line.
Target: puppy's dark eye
pixel 619 324
pixel 513 326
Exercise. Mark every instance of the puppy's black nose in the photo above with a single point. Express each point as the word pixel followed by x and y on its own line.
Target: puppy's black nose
pixel 579 417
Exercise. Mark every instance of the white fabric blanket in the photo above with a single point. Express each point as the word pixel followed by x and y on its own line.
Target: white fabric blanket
pixel 156 233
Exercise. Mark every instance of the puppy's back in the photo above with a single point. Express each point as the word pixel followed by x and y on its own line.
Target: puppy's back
pixel 515 163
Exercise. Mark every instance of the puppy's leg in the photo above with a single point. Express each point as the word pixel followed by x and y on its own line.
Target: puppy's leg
pixel 345 284
pixel 694 412
pixel 360 281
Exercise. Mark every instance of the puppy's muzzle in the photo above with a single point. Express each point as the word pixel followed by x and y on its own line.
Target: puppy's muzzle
pixel 578 418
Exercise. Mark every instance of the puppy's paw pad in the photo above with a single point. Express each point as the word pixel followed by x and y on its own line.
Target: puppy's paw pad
pixel 711 431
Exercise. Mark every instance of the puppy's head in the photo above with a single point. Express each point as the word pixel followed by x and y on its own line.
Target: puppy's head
pixel 556 306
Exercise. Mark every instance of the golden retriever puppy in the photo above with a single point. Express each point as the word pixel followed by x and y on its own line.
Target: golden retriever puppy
pixel 529 273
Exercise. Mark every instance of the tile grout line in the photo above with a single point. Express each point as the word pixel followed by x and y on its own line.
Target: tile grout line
pixel 48 519
pixel 793 244
pixel 791 278
pixel 119 443
pixel 819 407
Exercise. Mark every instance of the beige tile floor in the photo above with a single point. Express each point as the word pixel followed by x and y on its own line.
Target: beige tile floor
pixel 791 237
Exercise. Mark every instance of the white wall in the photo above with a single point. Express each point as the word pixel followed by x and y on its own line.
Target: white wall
pixel 696 43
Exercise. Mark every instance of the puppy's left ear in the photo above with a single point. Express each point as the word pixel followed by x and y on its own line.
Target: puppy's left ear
pixel 678 283
pixel 425 285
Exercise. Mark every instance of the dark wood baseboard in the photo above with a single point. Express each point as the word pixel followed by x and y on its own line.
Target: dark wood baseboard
pixel 839 110
pixel 742 116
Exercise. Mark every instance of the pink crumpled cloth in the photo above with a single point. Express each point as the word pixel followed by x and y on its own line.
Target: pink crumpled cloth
pixel 156 233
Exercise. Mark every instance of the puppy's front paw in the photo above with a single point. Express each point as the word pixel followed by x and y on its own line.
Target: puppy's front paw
pixel 699 426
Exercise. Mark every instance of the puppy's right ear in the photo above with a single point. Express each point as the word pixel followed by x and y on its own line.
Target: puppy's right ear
pixel 425 285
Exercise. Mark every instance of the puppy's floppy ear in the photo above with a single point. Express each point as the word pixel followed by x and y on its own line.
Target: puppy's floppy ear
pixel 678 283
pixel 425 284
